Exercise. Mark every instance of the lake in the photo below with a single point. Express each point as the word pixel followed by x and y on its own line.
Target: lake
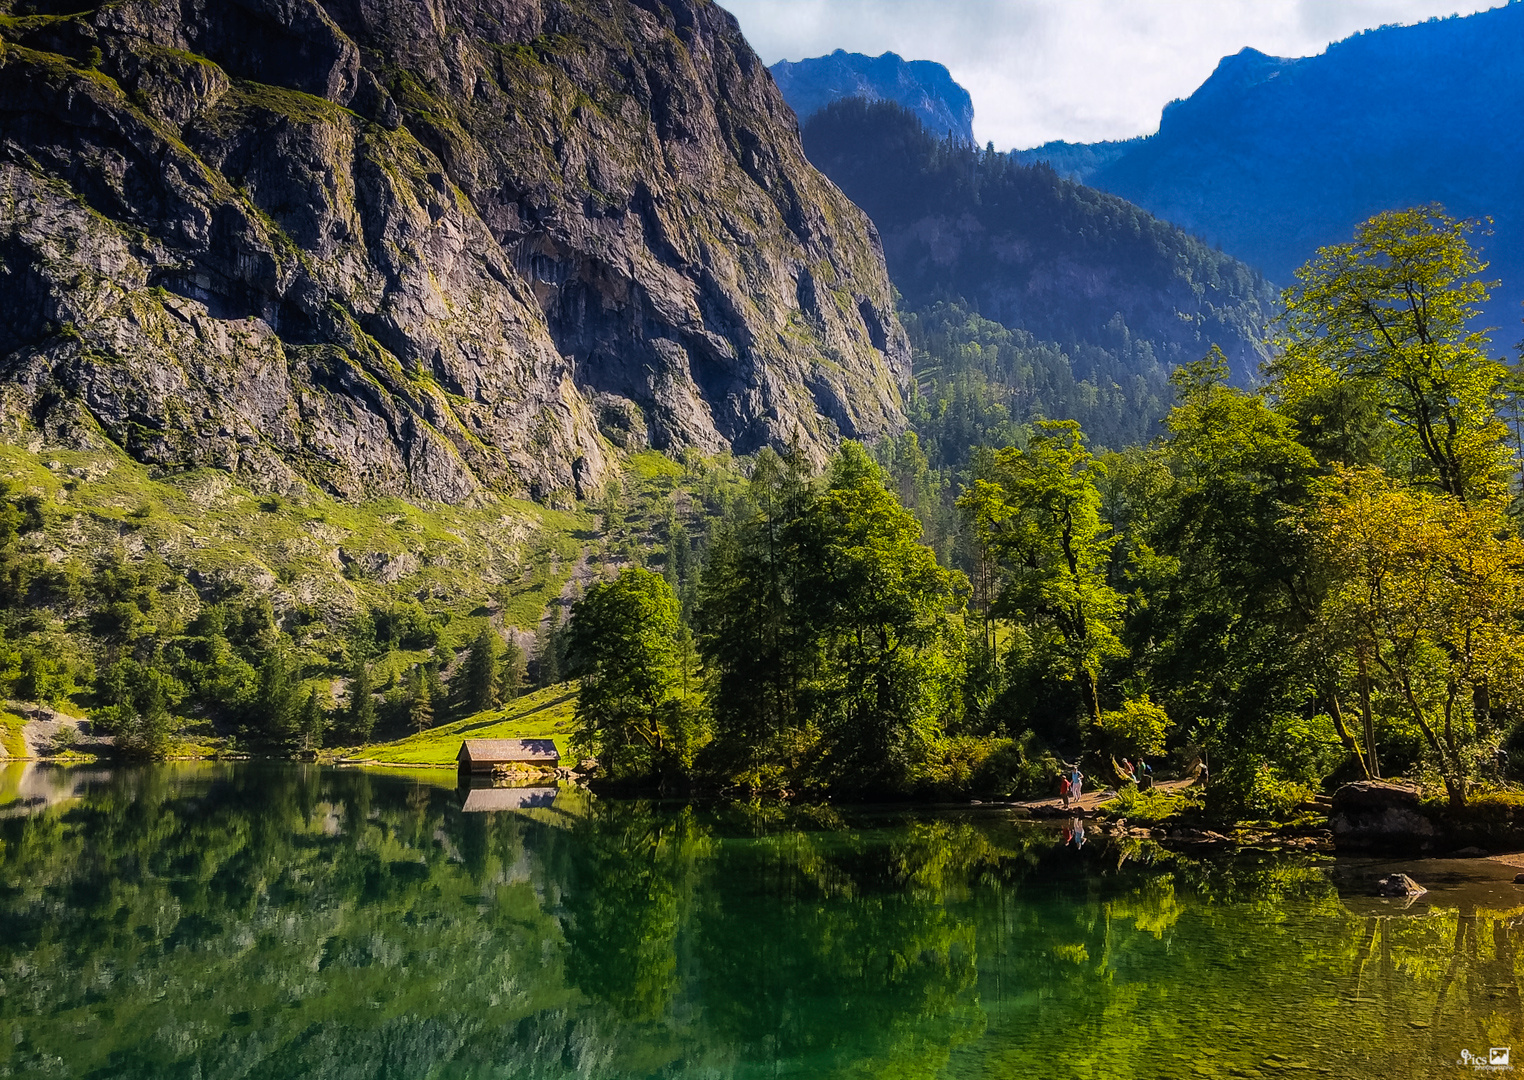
pixel 207 920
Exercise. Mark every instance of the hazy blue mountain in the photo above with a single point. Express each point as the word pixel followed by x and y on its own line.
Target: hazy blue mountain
pixel 1102 299
pixel 923 87
pixel 1271 157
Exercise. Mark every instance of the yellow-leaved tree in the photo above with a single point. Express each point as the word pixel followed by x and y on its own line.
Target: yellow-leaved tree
pixel 1425 594
pixel 1386 374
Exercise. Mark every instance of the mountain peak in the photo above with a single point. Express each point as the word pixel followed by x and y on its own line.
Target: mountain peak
pixel 925 87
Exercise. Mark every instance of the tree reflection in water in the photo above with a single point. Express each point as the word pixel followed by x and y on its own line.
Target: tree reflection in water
pixel 292 921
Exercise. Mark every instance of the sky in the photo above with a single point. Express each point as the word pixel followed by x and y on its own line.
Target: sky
pixel 1080 70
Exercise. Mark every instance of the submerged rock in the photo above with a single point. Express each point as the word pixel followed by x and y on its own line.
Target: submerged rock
pixel 1398 885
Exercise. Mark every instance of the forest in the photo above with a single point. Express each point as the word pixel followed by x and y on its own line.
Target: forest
pixel 1313 580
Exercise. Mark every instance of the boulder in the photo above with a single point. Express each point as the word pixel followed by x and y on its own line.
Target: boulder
pixel 1372 814
pixel 1398 885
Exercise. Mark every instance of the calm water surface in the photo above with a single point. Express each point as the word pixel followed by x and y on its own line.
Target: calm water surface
pixel 219 921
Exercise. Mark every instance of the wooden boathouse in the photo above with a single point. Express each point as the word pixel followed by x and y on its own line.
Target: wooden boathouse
pixel 485 755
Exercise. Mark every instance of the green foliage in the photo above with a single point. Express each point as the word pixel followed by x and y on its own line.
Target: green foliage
pixel 1035 512
pixel 1154 806
pixel 274 717
pixel 511 672
pixel 1138 727
pixel 420 699
pixel 1381 332
pixel 979 383
pixel 827 628
pixel 360 716
pixel 632 713
pixel 480 673
pixel 137 700
pixel 1216 545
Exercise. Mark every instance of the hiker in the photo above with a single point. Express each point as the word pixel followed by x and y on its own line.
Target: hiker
pixel 1127 771
pixel 1063 790
pixel 1076 783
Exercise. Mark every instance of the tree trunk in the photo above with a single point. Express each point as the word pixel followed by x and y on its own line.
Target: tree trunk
pixel 1093 696
pixel 1345 737
pixel 1449 763
pixel 1372 766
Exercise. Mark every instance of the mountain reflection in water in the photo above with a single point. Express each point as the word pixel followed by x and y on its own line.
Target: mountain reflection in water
pixel 292 921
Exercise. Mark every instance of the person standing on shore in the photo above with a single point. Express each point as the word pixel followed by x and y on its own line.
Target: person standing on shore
pixel 1076 783
pixel 1063 790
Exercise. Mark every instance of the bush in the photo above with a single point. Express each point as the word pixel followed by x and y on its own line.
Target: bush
pixel 1138 727
pixel 1154 806
pixel 1255 790
pixel 982 765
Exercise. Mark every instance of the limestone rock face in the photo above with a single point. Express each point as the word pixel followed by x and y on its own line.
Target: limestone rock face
pixel 419 248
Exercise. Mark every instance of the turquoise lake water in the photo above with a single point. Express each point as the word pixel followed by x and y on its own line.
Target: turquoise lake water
pixel 204 921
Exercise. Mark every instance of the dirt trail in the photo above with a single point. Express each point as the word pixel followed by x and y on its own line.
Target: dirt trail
pixel 1089 802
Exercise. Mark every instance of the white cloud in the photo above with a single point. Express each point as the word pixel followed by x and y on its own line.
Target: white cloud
pixel 1082 70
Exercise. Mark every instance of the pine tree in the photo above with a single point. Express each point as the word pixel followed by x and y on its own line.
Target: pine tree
pixel 547 648
pixel 314 720
pixel 276 713
pixel 510 673
pixel 362 706
pixel 480 690
pixel 420 705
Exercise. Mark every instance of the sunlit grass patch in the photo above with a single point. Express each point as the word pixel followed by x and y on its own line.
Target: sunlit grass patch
pixel 10 735
pixel 544 714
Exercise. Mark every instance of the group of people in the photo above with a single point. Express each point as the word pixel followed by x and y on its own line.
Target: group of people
pixel 1072 783
pixel 1135 771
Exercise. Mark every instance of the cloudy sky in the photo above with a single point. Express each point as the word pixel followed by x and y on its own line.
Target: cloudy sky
pixel 1082 70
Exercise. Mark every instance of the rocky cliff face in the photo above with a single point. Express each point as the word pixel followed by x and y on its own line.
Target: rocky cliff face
pixel 419 247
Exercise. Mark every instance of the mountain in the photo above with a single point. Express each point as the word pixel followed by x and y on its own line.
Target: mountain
pixel 425 250
pixel 925 88
pixel 1272 157
pixel 1120 296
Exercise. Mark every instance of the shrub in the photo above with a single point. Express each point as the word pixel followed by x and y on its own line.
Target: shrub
pixel 1138 727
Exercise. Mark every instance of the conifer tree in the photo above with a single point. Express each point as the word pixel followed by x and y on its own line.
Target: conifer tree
pixel 314 720
pixel 547 649
pixel 420 704
pixel 362 706
pixel 479 674
pixel 510 675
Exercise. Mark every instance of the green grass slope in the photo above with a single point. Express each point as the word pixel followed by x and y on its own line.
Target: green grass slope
pixel 545 714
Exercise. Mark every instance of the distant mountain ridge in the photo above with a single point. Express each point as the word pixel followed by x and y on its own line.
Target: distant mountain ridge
pixel 1272 158
pixel 924 87
pixel 1121 296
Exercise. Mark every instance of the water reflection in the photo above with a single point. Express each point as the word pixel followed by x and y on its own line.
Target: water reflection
pixel 292 921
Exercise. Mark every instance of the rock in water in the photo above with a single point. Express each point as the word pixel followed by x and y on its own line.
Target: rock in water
pixel 417 249
pixel 1398 885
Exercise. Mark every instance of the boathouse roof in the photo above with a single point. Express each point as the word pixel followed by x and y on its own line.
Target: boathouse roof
pixel 485 753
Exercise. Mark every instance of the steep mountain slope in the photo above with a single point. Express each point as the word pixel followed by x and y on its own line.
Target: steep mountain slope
pixel 922 86
pixel 1124 297
pixel 397 248
pixel 1272 158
